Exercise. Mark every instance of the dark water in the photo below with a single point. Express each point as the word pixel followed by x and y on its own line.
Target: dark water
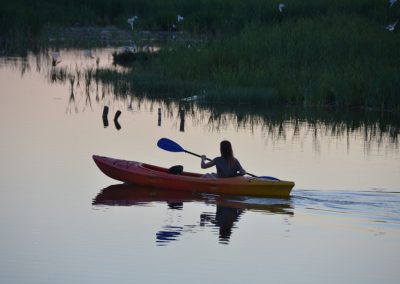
pixel 63 221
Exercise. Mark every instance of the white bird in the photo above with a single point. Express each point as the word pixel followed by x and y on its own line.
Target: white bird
pixel 392 2
pixel 280 7
pixel 132 20
pixel 179 18
pixel 392 27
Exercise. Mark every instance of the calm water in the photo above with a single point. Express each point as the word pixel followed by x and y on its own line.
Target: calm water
pixel 63 221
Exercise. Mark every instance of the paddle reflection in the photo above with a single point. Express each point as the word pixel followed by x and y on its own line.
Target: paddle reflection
pixel 228 209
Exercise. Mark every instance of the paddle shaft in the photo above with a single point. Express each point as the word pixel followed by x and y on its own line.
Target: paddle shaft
pixel 197 155
pixel 194 154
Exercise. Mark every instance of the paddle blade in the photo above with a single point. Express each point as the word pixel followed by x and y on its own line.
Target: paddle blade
pixel 169 145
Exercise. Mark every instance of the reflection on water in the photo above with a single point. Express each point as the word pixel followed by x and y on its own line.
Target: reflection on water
pixel 224 219
pixel 168 234
pixel 377 211
pixel 78 73
pixel 228 209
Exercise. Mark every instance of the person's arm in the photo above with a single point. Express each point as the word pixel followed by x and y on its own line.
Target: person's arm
pixel 204 164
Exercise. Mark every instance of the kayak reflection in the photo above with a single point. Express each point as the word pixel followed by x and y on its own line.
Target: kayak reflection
pixel 229 209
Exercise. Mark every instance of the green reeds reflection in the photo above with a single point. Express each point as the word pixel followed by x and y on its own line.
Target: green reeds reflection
pixel 96 87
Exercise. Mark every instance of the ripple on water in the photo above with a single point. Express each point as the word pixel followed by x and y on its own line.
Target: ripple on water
pixel 378 206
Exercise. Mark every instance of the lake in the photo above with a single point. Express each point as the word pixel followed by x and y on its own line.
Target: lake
pixel 63 221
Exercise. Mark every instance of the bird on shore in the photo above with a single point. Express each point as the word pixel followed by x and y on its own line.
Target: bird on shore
pixel 179 18
pixel 281 6
pixel 132 20
pixel 392 27
pixel 391 3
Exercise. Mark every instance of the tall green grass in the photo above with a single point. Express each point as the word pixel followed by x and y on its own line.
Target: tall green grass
pixel 333 60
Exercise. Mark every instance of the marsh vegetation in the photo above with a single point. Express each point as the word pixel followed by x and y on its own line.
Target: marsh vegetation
pixel 308 53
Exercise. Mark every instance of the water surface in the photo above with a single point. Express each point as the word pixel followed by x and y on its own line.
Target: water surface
pixel 64 221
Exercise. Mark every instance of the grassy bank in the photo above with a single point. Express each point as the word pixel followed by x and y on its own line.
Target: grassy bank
pixel 327 60
pixel 316 53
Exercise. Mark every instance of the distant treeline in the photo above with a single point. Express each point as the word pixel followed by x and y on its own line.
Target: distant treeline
pixel 315 52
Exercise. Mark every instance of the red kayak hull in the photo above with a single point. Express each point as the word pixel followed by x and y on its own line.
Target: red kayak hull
pixel 143 174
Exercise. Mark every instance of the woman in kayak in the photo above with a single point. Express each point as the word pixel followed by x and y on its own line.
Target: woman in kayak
pixel 227 165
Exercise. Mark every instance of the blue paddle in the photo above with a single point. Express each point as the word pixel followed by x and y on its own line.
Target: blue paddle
pixel 172 146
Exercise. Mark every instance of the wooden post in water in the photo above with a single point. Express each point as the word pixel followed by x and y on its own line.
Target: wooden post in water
pixel 159 117
pixel 116 123
pixel 105 118
pixel 117 114
pixel 105 111
pixel 182 124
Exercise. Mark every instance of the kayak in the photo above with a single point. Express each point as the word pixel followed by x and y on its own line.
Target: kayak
pixel 143 174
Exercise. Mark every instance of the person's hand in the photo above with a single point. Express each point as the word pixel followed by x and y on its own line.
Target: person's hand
pixel 203 157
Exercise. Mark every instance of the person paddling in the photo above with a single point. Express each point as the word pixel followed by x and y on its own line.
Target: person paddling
pixel 227 165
